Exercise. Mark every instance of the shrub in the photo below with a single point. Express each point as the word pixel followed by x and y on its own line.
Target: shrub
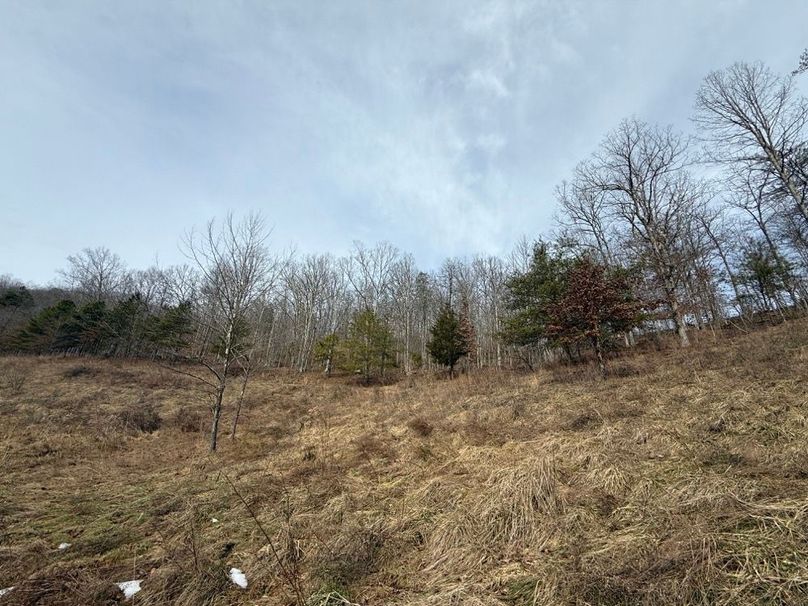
pixel 141 417
pixel 189 420
pixel 13 380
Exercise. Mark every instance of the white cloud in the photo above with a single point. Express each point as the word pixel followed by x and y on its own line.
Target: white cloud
pixel 486 81
pixel 442 128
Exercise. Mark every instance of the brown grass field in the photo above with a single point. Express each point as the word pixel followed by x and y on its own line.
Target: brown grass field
pixel 682 479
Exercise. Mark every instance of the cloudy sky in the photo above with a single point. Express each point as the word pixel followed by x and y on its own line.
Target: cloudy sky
pixel 439 126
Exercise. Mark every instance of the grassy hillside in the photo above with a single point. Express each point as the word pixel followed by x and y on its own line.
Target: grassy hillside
pixel 682 479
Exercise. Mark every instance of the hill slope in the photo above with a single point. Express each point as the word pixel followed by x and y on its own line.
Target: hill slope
pixel 684 480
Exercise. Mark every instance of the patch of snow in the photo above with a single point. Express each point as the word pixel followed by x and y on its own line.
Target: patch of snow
pixel 238 578
pixel 63 546
pixel 5 591
pixel 214 520
pixel 129 588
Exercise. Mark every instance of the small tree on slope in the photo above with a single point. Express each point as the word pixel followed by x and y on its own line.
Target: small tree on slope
pixel 596 304
pixel 448 343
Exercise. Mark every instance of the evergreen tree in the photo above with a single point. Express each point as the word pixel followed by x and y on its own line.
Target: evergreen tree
pixel 368 350
pixel 530 295
pixel 17 297
pixel 766 273
pixel 169 330
pixel 127 320
pixel 41 332
pixel 325 350
pixel 16 303
pixel 448 343
pixel 86 330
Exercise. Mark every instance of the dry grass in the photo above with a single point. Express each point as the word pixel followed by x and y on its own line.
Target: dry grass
pixel 682 479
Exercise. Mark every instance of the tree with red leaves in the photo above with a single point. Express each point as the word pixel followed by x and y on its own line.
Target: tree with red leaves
pixel 597 302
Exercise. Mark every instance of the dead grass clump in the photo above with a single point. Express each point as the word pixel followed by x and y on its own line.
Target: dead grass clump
pixel 586 420
pixel 64 585
pixel 420 426
pixel 370 446
pixel 329 598
pixel 202 583
pixel 13 380
pixel 461 594
pixel 193 570
pixel 514 511
pixel 480 431
pixel 624 369
pixel 517 501
pixel 763 558
pixel 189 420
pixel 580 372
pixel 352 556
pixel 81 370
pixel 140 417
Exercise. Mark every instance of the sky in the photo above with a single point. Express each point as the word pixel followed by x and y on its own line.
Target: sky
pixel 442 127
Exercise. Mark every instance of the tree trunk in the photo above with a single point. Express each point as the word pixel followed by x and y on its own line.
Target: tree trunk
pixel 599 354
pixel 217 413
pixel 678 322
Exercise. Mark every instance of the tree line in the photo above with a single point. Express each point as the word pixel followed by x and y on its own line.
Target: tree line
pixel 656 231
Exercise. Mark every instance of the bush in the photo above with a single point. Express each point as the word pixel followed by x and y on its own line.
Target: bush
pixel 13 380
pixel 141 417
pixel 189 420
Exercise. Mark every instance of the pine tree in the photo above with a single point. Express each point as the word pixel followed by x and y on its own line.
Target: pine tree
pixel 42 331
pixel 325 350
pixel 368 350
pixel 448 343
pixel 530 295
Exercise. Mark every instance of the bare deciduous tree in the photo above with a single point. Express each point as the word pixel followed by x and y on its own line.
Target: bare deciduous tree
pixel 237 272
pixel 755 120
pixel 641 172
pixel 97 273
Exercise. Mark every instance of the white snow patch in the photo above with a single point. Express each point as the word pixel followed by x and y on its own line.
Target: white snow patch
pixel 238 578
pixel 129 588
pixel 214 520
pixel 5 591
pixel 63 546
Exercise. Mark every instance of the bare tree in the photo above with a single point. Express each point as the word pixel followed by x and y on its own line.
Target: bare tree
pixel 490 275
pixel 754 119
pixel 641 172
pixel 368 271
pixel 803 64
pixel 404 285
pixel 96 273
pixel 237 272
pixel 715 227
pixel 584 212
pixel 311 286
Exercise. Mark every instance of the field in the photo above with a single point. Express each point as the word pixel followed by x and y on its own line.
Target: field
pixel 681 479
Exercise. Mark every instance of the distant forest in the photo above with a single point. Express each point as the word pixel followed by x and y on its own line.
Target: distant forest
pixel 643 244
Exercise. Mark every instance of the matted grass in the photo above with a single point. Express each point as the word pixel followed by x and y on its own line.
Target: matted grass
pixel 683 479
